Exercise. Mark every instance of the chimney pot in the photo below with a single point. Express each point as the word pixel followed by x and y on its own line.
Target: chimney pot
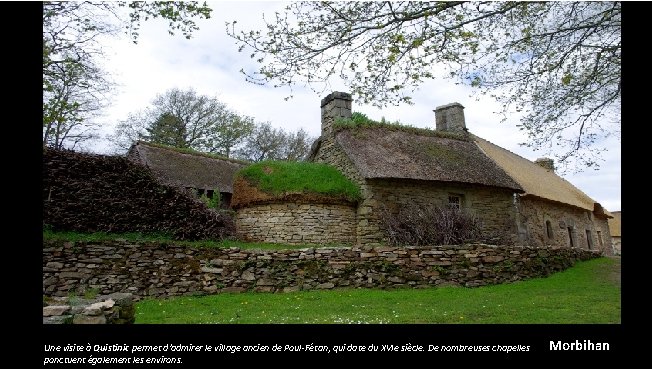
pixel 546 163
pixel 335 105
pixel 450 118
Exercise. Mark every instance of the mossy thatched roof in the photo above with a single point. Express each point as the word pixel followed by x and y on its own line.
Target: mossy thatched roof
pixel 186 169
pixel 383 153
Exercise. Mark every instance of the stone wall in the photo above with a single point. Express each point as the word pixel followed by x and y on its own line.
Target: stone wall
pixel 565 221
pixel 160 270
pixel 292 223
pixel 116 308
pixel 616 245
pixel 493 206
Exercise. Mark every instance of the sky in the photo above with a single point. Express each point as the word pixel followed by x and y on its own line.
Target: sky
pixel 210 63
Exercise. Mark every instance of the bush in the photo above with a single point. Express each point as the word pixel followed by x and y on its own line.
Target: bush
pixel 95 193
pixel 415 225
pixel 213 202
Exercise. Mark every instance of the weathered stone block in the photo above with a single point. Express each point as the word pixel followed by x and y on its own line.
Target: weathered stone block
pixel 88 319
pixel 55 310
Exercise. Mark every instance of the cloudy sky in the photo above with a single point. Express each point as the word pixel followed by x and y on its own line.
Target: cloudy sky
pixel 210 63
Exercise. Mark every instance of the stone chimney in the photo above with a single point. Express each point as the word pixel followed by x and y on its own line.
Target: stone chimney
pixel 546 163
pixel 335 105
pixel 450 118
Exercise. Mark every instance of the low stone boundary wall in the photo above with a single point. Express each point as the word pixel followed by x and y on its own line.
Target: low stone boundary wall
pixel 158 270
pixel 116 308
pixel 291 223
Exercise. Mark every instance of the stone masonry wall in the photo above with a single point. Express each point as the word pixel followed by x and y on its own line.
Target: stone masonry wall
pixel 161 270
pixel 116 308
pixel 494 206
pixel 292 223
pixel 615 241
pixel 535 212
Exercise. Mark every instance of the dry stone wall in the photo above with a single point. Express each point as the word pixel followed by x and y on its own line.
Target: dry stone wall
pixel 292 223
pixel 162 270
pixel 116 308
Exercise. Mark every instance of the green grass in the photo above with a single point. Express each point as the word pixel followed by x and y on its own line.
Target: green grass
pixel 102 236
pixel 586 293
pixel 279 177
pixel 360 121
pixel 194 152
pixel 49 235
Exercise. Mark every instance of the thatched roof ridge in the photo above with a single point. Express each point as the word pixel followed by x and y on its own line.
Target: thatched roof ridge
pixel 186 169
pixel 378 152
pixel 536 180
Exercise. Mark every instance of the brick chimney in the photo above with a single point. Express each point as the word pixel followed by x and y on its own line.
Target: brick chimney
pixel 335 105
pixel 450 118
pixel 546 163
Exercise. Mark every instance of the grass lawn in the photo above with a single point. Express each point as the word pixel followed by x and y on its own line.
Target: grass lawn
pixel 49 235
pixel 587 293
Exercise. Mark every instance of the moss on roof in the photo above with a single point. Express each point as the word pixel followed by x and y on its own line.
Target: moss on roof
pixel 269 180
pixel 194 152
pixel 379 152
pixel 360 121
pixel 186 168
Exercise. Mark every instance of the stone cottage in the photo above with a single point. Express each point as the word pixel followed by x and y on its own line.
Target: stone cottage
pixel 450 166
pixel 614 229
pixel 200 173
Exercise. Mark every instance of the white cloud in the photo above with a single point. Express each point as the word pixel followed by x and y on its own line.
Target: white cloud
pixel 210 63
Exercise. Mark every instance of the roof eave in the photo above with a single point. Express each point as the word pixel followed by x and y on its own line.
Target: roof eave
pixel 595 213
pixel 517 190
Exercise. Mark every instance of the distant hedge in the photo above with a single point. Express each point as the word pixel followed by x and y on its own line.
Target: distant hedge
pixel 98 193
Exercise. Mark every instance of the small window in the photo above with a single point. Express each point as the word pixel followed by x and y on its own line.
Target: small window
pixel 455 201
pixel 209 194
pixel 200 192
pixel 549 230
pixel 570 236
pixel 589 241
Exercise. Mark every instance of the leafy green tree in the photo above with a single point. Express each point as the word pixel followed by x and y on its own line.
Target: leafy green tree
pixel 169 130
pixel 186 119
pixel 557 63
pixel 230 134
pixel 75 87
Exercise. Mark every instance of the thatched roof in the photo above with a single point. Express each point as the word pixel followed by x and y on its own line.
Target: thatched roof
pixel 614 224
pixel 379 152
pixel 182 169
pixel 536 180
pixel 384 153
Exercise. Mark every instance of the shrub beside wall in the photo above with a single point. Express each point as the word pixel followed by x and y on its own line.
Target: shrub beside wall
pixel 158 270
pixel 93 193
